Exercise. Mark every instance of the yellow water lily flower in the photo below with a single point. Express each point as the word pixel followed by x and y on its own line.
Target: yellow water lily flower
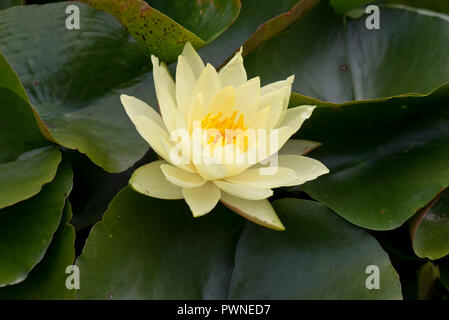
pixel 218 135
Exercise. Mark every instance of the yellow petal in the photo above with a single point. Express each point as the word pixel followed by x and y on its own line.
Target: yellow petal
pixel 197 111
pixel 295 117
pixel 306 168
pixel 162 78
pixel 149 180
pixel 181 177
pixel 193 59
pixel 168 109
pixel 223 102
pixel 253 178
pixel 233 73
pixel 135 107
pixel 261 119
pixel 208 85
pixel 202 199
pixel 185 82
pixel 244 192
pixel 257 211
pixel 276 99
pixel 274 141
pixel 247 97
pixel 277 85
pixel 299 147
pixel 152 133
pixel 211 171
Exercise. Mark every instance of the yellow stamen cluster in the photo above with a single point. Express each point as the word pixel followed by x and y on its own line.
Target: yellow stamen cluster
pixel 226 130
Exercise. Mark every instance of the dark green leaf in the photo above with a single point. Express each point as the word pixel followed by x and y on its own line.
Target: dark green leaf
pixel 207 19
pixel 73 78
pixel 155 32
pixel 24 178
pixel 340 60
pixel 147 248
pixel 47 279
pixel 319 256
pixel 430 228
pixel 252 15
pixel 387 159
pixel 27 228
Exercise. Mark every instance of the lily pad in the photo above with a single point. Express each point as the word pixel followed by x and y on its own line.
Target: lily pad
pixel 339 60
pixel 169 254
pixel 430 228
pixel 147 248
pixel 319 256
pixel 155 32
pixel 386 159
pixel 33 221
pixel 207 19
pixel 74 78
pixel 47 280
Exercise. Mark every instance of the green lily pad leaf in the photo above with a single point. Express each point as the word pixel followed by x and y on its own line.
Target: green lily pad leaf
pixel 89 204
pixel 430 228
pixel 47 280
pixel 277 25
pixel 155 32
pixel 344 61
pixel 207 19
pixel 343 6
pixel 252 15
pixel 74 78
pixel 319 256
pixel 434 5
pixel 386 160
pixel 22 170
pixel 170 254
pixel 24 178
pixel 33 221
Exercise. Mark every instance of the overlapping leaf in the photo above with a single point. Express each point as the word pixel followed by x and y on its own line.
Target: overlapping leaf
pixel 27 228
pixel 147 248
pixel 430 228
pixel 47 280
pixel 27 160
pixel 72 78
pixel 388 155
pixel 319 256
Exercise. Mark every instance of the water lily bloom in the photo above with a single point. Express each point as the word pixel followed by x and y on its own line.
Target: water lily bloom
pixel 218 135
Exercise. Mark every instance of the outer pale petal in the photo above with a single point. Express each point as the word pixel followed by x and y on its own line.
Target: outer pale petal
pixel 185 82
pixel 162 78
pixel 276 99
pixel 277 85
pixel 299 147
pixel 208 85
pixel 193 59
pixel 152 133
pixel 181 178
pixel 202 199
pixel 233 73
pixel 295 117
pixel 253 178
pixel 244 192
pixel 211 171
pixel 306 168
pixel 257 211
pixel 149 180
pixel 135 107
